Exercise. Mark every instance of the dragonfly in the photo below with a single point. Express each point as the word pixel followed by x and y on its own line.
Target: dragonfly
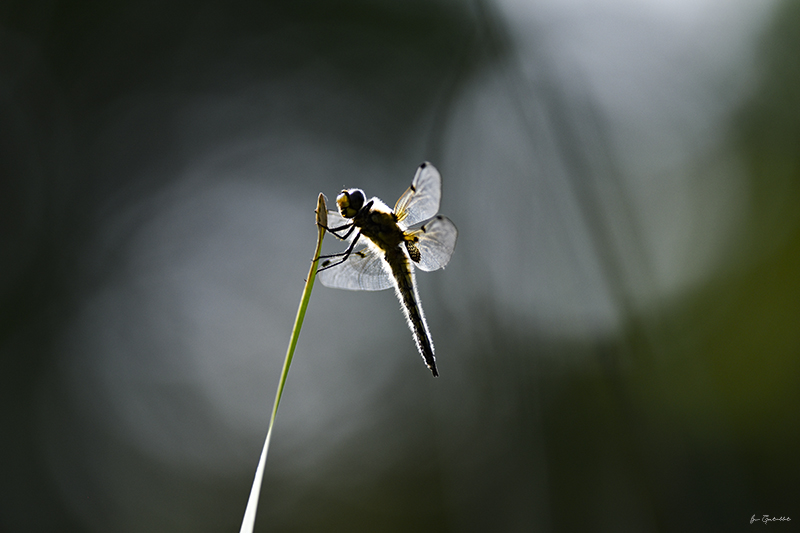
pixel 395 241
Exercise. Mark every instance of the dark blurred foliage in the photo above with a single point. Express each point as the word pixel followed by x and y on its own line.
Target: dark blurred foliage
pixel 686 421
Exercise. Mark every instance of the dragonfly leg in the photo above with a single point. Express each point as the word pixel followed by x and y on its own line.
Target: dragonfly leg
pixel 334 231
pixel 344 255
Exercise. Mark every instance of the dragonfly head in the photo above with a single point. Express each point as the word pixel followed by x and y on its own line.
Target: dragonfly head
pixel 350 202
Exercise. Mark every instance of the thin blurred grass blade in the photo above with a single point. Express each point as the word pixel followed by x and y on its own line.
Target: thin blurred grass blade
pixel 248 522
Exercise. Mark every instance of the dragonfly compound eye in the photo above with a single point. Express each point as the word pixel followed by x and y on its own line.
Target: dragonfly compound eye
pixel 350 202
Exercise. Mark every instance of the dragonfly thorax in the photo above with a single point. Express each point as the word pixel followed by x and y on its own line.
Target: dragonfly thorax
pixel 350 202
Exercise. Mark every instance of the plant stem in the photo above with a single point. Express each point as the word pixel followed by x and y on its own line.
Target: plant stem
pixel 252 503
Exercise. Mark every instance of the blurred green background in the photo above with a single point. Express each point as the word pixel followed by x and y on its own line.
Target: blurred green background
pixel 618 332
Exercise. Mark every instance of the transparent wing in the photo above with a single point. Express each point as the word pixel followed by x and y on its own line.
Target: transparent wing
pixel 437 240
pixel 420 201
pixel 362 271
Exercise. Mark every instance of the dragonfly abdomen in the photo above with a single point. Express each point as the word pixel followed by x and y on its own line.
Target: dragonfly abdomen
pixel 406 288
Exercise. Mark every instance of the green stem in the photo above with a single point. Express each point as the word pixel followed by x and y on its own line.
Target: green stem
pixel 252 503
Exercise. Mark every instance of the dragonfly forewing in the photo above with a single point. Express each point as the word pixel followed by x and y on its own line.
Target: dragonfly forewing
pixel 421 200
